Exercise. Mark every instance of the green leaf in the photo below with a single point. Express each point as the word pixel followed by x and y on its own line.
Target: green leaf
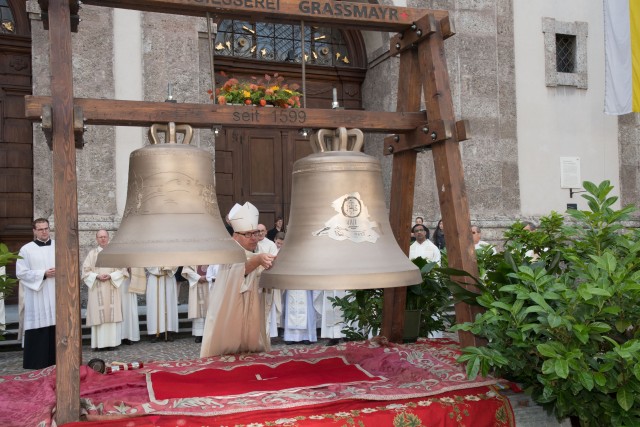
pixel 625 398
pixel 599 327
pixel 636 371
pixel 473 368
pixel 554 320
pixel 599 291
pixel 600 378
pixel 547 350
pixel 562 368
pixel 622 325
pixel 586 379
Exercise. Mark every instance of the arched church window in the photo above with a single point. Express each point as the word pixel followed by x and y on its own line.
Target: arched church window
pixel 7 21
pixel 282 43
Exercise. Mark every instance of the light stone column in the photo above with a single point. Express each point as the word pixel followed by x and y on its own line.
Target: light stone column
pixel 128 74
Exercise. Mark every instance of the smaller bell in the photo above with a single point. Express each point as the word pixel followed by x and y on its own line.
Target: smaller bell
pixel 171 216
pixel 339 236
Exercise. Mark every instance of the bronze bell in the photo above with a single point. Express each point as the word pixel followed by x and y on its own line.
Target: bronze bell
pixel 339 236
pixel 171 216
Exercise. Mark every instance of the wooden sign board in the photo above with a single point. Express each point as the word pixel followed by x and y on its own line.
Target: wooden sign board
pixel 355 15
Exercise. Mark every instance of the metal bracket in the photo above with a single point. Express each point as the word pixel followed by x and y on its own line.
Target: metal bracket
pixel 419 31
pixel 78 125
pixel 423 136
pixel 74 8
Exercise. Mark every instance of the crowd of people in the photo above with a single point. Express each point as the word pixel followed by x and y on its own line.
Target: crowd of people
pixel 230 313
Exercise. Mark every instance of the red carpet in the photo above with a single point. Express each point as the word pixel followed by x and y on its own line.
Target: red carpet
pixel 423 385
pixel 256 378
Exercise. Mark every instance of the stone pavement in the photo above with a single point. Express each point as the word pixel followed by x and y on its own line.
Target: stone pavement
pixel 182 348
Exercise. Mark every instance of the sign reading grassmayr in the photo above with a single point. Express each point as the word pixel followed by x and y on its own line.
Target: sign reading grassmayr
pixel 315 8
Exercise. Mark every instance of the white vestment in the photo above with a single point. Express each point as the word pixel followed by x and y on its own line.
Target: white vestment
pixel 104 305
pixel 272 297
pixel 332 320
pixel 426 250
pixel 299 316
pixel 130 325
pixel 235 321
pixel 162 300
pixel 198 297
pixel 39 293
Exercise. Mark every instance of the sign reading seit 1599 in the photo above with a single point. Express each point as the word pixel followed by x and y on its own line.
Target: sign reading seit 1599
pixel 316 8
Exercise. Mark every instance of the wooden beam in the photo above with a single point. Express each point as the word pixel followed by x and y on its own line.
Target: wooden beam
pixel 354 15
pixel 403 176
pixel 65 210
pixel 141 113
pixel 447 160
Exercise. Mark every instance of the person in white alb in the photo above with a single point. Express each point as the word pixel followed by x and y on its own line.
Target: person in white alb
pixel 104 305
pixel 272 297
pixel 37 273
pixel 196 275
pixel 423 247
pixel 162 302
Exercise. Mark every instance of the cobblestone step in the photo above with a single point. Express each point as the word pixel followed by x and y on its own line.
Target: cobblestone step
pixel 10 336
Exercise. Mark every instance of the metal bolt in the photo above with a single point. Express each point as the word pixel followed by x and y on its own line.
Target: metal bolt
pixel 425 129
pixel 434 136
pixel 396 138
pixel 390 149
pixel 419 33
pixel 84 128
pixel 398 46
pixel 414 27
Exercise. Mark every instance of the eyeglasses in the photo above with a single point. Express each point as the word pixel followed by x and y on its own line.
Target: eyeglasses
pixel 250 234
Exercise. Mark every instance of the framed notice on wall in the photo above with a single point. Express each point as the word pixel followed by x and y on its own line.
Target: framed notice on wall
pixel 570 172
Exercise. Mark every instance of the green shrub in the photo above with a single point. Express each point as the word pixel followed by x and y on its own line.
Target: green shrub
pixel 563 313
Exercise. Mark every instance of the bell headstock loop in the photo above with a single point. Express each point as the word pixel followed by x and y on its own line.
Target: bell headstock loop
pixel 170 130
pixel 339 139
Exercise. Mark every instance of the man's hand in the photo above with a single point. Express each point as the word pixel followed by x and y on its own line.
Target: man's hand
pixel 266 260
pixel 104 277
pixel 50 273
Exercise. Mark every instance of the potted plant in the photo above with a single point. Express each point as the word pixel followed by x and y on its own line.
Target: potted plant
pixel 426 302
pixel 260 92
pixel 563 313
pixel 6 283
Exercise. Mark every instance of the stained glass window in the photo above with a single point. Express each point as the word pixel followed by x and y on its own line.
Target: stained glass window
pixel 281 43
pixel 7 22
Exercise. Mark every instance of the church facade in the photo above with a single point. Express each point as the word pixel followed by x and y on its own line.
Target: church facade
pixel 536 128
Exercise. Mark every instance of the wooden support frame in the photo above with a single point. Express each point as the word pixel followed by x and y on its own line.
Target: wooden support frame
pixel 422 64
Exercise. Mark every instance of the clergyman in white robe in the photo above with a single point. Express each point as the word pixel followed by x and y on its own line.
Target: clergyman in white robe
pixel 299 316
pixel 39 303
pixel 199 285
pixel 162 301
pixel 331 318
pixel 130 325
pixel 104 305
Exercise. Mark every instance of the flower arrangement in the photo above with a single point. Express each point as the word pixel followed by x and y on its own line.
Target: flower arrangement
pixel 270 90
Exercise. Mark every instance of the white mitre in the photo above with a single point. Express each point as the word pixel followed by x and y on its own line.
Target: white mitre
pixel 244 218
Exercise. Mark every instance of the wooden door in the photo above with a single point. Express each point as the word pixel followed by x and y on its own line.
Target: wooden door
pixel 16 141
pixel 255 165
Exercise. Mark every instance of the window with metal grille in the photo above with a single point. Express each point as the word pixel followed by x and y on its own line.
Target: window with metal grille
pixel 565 53
pixel 7 21
pixel 281 43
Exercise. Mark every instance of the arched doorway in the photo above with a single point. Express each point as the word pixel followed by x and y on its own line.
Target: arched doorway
pixel 255 165
pixel 16 142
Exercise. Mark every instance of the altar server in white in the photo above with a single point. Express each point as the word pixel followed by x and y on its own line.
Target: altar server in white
pixel 36 271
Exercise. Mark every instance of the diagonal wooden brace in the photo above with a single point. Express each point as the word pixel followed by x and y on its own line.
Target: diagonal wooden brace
pixel 423 136
pixel 419 31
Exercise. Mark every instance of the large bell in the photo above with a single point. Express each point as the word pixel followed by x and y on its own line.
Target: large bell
pixel 339 236
pixel 171 216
